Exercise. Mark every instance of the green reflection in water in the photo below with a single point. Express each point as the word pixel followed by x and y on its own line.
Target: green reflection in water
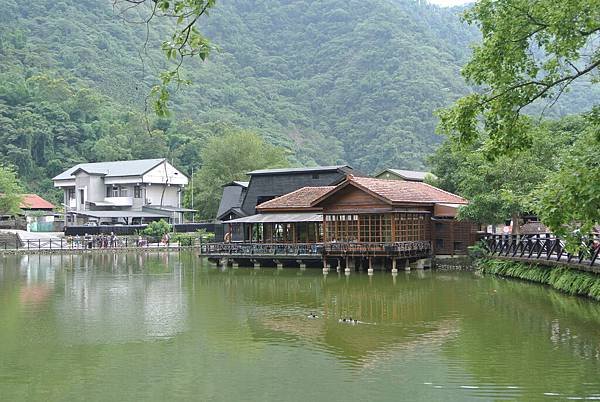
pixel 171 326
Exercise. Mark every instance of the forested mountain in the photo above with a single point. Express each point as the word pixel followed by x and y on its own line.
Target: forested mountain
pixel 353 81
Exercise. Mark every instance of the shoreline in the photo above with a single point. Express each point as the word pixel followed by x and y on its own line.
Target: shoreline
pixel 571 281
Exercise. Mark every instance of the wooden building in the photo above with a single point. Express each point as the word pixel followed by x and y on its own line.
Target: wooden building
pixel 362 216
pixel 240 199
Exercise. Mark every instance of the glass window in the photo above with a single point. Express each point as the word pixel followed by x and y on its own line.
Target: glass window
pixel 81 195
pixel 124 192
pixel 137 192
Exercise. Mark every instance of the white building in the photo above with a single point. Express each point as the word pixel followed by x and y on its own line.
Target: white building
pixel 122 192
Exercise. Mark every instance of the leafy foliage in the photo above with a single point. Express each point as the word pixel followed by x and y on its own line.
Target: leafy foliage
pixel 228 158
pixel 157 229
pixel 531 50
pixel 503 187
pixel 569 201
pixel 332 81
pixel 10 191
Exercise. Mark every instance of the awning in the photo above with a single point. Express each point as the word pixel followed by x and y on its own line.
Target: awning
pixel 121 214
pixel 279 218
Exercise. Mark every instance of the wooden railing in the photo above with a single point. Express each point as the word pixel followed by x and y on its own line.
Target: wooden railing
pixel 262 249
pixel 543 247
pixel 407 249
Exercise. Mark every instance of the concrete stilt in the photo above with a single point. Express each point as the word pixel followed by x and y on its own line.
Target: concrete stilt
pixel 256 265
pixel 370 270
pixel 407 266
pixel 235 265
pixel 394 269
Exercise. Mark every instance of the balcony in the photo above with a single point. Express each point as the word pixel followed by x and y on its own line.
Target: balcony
pixel 114 202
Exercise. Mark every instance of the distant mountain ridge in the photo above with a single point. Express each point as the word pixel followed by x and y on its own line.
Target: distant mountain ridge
pixel 334 81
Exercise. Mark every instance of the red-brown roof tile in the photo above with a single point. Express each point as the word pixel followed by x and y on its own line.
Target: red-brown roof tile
pixel 34 201
pixel 301 198
pixel 399 191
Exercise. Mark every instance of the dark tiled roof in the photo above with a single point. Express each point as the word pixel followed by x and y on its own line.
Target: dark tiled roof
pixel 398 191
pixel 299 170
pixel 534 228
pixel 301 198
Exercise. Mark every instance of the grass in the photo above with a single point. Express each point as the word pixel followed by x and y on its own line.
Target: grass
pixel 564 279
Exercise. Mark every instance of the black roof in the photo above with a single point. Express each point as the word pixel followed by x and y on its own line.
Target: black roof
pixel 315 169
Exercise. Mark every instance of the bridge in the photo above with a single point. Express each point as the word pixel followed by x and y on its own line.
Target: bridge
pixel 545 249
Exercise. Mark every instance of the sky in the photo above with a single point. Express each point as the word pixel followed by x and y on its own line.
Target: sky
pixel 448 3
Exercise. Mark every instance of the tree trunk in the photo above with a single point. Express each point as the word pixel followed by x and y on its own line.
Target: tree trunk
pixel 516 224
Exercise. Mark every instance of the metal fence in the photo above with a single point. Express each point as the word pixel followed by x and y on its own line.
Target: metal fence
pixel 544 247
pixel 96 243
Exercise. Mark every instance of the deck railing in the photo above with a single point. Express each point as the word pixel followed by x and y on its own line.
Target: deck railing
pixel 260 249
pixel 543 247
pixel 409 248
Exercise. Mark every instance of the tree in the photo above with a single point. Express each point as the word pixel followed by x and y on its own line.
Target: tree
pixel 185 42
pixel 503 187
pixel 229 158
pixel 569 201
pixel 10 191
pixel 157 229
pixel 531 50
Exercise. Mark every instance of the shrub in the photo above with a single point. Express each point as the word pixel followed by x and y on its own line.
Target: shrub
pixel 157 229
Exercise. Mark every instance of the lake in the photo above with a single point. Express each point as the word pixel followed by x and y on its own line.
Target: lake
pixel 171 326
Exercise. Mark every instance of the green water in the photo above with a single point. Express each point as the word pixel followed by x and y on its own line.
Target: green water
pixel 173 327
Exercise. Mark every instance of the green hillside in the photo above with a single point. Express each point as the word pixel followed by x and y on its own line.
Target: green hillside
pixel 333 81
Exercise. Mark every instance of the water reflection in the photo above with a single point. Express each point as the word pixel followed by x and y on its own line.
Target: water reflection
pixel 140 327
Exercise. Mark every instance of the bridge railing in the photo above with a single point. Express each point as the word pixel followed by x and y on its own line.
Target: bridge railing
pixel 543 247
